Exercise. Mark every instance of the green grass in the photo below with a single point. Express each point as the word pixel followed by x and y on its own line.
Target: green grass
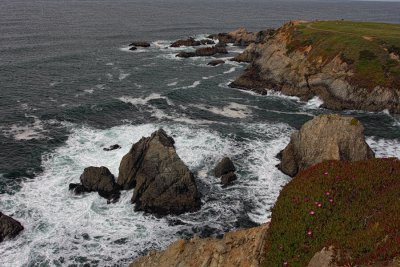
pixel 359 213
pixel 365 46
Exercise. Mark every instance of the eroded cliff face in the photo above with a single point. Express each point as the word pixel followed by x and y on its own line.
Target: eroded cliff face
pixel 242 248
pixel 276 66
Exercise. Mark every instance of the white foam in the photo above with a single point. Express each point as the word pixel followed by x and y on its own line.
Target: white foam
pixel 89 91
pixel 34 130
pixel 122 75
pixel 314 103
pixel 144 100
pixel 138 50
pixel 194 85
pixel 232 110
pixel 59 225
pixel 230 70
pixel 110 64
pixel 384 147
pixel 172 84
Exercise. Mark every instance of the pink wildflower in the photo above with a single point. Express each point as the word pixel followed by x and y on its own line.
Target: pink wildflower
pixel 285 263
pixel 312 212
pixel 326 173
pixel 327 193
pixel 309 233
pixel 331 200
pixel 306 199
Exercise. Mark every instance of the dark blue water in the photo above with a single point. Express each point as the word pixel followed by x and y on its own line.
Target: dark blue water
pixel 69 87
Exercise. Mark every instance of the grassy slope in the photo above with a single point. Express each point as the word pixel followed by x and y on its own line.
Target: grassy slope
pixel 359 213
pixel 364 45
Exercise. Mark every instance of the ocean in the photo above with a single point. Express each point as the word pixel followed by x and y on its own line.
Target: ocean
pixel 69 87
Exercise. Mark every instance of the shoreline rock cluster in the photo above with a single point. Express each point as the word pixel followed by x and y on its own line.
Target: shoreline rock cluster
pixel 9 228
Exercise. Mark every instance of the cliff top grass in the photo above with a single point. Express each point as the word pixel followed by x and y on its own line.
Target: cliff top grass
pixel 371 49
pixel 353 206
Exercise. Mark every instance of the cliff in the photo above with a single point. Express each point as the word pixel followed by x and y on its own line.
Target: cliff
pixel 349 65
pixel 244 248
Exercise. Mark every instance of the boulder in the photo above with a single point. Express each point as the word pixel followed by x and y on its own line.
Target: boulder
pixel 133 48
pixel 9 228
pixel 223 167
pixel 97 179
pixel 113 147
pixel 163 183
pixel 140 44
pixel 226 170
pixel 326 137
pixel 215 62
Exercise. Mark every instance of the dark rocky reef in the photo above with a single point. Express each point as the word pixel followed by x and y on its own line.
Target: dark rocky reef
pixel 112 147
pixel 204 52
pixel 215 62
pixel 9 228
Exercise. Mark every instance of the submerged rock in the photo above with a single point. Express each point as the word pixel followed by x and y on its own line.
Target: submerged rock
pixel 133 48
pixel 215 62
pixel 140 44
pixel 163 183
pixel 226 170
pixel 97 179
pixel 113 147
pixel 326 137
pixel 186 54
pixel 244 247
pixel 9 228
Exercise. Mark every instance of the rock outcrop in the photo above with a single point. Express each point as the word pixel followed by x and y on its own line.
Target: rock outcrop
pixel 216 62
pixel 163 183
pixel 9 228
pixel 97 179
pixel 296 69
pixel 226 170
pixel 248 55
pixel 242 248
pixel 192 42
pixel 204 52
pixel 112 147
pixel 326 137
pixel 140 44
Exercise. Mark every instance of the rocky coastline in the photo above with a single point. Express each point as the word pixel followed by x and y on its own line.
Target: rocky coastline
pixel 301 68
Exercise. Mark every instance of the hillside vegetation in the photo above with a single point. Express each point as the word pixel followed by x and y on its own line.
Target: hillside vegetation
pixel 353 206
pixel 371 49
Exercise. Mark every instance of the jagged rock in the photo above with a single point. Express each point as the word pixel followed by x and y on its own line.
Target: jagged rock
pixel 113 147
pixel 98 179
pixel 215 62
pixel 326 137
pixel 163 183
pixel 140 44
pixel 244 248
pixel 9 228
pixel 223 167
pixel 133 48
pixel 248 55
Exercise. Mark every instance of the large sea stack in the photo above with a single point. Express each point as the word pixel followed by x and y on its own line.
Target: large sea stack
pixel 163 183
pixel 9 228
